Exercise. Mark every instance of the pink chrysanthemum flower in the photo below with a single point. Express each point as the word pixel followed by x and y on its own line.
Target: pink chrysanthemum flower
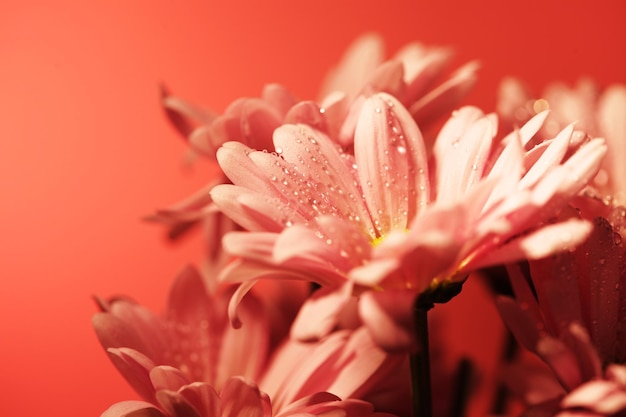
pixel 384 224
pixel 192 362
pixel 238 398
pixel 601 113
pixel 412 75
pixel 194 336
pixel 604 397
pixel 572 316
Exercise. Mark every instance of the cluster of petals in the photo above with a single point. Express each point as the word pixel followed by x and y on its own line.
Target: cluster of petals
pixel 605 397
pixel 412 75
pixel 238 398
pixel 571 314
pixel 384 222
pixel 598 112
pixel 192 362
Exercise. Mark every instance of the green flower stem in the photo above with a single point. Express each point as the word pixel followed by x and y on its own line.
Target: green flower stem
pixel 420 367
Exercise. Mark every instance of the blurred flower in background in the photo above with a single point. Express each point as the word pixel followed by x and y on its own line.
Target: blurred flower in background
pixel 180 362
pixel 597 112
pixel 570 310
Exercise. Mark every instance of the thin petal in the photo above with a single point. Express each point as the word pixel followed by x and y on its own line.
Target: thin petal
pixel 316 176
pixel 551 157
pixel 175 404
pixel 241 398
pixel 446 96
pixel 278 97
pixel 184 115
pixel 133 409
pixel 546 241
pixel 422 66
pixel 167 378
pixel 320 312
pixel 461 152
pixel 135 367
pixel 309 113
pixel 388 315
pixel 203 398
pixel 358 62
pixel 391 160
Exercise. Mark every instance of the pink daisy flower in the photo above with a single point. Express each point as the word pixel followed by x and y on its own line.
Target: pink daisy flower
pixel 598 112
pixel 412 75
pixel 192 362
pixel 384 224
pixel 571 315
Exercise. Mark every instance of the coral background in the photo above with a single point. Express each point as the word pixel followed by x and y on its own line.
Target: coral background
pixel 85 150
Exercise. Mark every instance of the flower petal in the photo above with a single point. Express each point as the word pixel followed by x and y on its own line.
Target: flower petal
pixel 316 176
pixel 445 96
pixel 543 242
pixel 461 152
pixel 388 315
pixel 203 398
pixel 320 313
pixel 133 409
pixel 391 160
pixel 242 398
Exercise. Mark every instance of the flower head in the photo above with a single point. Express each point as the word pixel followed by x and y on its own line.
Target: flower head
pixel 193 337
pixel 598 112
pixel 192 362
pixel 413 76
pixel 570 314
pixel 384 223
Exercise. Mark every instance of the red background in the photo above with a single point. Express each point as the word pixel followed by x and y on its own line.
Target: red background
pixel 85 150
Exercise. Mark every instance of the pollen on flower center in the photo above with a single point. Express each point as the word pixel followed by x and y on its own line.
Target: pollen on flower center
pixel 377 241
